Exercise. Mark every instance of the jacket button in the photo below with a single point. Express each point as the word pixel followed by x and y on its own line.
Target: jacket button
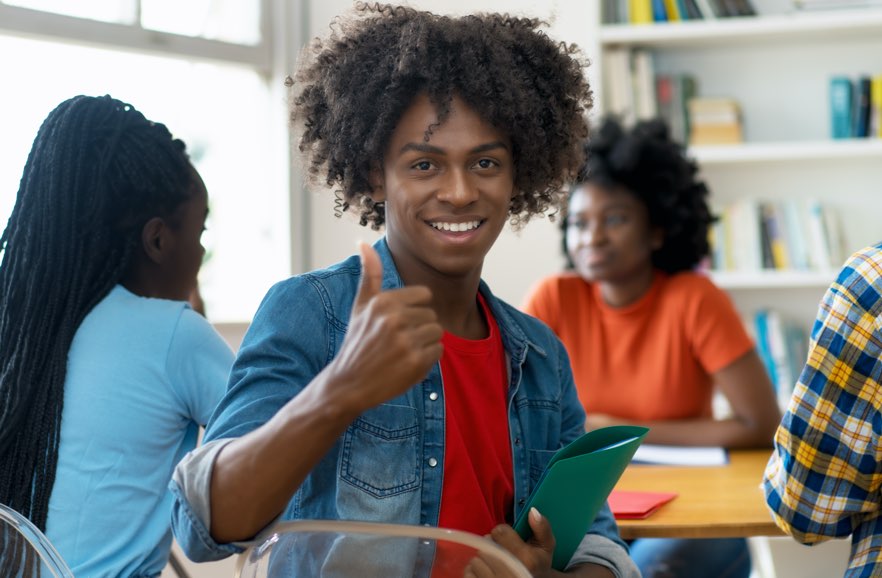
pixel 517 441
pixel 433 396
pixel 433 462
pixel 521 502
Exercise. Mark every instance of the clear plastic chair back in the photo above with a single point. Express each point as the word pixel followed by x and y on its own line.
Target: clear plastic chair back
pixel 25 552
pixel 342 549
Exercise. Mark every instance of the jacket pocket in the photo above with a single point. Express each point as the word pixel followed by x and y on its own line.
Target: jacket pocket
pixel 381 451
pixel 538 462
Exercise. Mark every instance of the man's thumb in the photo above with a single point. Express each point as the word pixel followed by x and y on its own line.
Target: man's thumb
pixel 371 274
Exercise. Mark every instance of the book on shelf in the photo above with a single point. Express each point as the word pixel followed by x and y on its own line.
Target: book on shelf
pixel 707 9
pixel 673 91
pixel 659 11
pixel 643 75
pixel 714 121
pixel 663 11
pixel 861 117
pixel 876 106
pixel 693 10
pixel 735 8
pixel 619 84
pixel 787 235
pixel 772 216
pixel 614 11
pixel 576 483
pixel 629 84
pixel 782 346
pixel 841 95
pixel 640 11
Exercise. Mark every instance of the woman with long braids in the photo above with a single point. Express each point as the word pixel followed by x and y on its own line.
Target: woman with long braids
pixel 106 373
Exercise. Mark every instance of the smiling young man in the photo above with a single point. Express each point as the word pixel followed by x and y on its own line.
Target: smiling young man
pixel 394 386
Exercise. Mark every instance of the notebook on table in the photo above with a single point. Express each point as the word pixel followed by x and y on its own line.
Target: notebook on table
pixel 628 505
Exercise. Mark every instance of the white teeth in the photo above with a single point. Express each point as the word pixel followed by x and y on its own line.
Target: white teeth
pixel 456 227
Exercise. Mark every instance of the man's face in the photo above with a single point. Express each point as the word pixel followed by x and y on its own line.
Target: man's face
pixel 446 198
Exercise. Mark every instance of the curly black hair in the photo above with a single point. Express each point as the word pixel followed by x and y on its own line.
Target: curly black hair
pixel 655 169
pixel 352 88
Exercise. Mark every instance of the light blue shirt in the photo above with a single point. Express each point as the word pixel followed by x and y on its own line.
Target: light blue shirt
pixel 142 375
pixel 388 465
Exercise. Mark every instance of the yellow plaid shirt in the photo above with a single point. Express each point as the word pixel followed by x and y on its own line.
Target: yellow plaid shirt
pixel 824 477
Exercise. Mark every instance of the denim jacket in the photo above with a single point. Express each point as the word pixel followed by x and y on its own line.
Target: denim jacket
pixel 297 331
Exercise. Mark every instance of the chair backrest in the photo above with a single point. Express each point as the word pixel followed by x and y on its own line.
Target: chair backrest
pixel 25 552
pixel 343 549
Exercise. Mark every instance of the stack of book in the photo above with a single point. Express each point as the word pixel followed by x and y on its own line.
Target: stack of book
pixel 791 235
pixel 714 121
pixel 632 91
pixel 650 11
pixel 856 107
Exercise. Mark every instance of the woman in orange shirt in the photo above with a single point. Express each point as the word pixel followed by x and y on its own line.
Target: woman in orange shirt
pixel 650 340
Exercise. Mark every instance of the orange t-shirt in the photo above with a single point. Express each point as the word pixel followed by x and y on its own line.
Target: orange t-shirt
pixel 651 360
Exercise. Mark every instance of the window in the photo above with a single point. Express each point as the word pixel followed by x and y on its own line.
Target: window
pixel 201 67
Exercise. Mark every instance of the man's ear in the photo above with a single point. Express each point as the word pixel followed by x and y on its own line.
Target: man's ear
pixel 155 239
pixel 377 182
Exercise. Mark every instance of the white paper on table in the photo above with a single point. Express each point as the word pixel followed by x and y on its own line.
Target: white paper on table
pixel 680 455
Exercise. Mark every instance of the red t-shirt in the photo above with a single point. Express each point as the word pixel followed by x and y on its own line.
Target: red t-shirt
pixel 478 488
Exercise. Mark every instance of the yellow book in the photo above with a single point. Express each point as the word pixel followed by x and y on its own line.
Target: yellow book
pixel 876 106
pixel 640 11
pixel 673 11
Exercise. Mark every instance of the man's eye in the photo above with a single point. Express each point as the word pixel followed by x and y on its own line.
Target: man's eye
pixel 486 164
pixel 423 166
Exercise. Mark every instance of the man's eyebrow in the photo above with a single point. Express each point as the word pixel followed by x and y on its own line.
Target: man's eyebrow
pixel 421 148
pixel 497 144
pixel 427 148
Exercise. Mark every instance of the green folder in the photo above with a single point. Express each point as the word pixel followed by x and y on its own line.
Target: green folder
pixel 576 483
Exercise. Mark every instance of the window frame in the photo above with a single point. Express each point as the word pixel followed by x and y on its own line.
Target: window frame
pixel 283 30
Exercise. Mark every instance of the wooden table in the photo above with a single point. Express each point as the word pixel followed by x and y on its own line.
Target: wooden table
pixel 713 501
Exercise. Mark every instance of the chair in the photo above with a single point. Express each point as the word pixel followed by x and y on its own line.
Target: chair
pixel 344 549
pixel 25 552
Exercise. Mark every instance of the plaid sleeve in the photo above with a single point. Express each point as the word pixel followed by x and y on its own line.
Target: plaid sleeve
pixel 823 479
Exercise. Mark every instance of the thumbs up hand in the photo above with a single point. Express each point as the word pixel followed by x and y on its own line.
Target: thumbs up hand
pixel 392 341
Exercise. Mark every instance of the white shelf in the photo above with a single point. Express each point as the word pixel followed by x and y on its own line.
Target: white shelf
pixel 815 25
pixel 772 279
pixel 863 148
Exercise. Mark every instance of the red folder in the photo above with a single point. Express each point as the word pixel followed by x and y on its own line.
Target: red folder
pixel 637 505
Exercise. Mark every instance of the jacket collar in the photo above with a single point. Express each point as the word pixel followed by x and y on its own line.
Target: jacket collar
pixel 514 338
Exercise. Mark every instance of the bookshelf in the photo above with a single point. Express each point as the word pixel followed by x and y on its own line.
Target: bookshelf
pixel 777 65
pixel 821 25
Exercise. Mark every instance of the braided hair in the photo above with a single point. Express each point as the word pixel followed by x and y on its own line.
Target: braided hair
pixel 97 172
pixel 352 88
pixel 652 167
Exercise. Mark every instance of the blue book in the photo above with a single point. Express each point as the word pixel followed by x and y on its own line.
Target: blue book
pixel 862 108
pixel 841 98
pixel 659 13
